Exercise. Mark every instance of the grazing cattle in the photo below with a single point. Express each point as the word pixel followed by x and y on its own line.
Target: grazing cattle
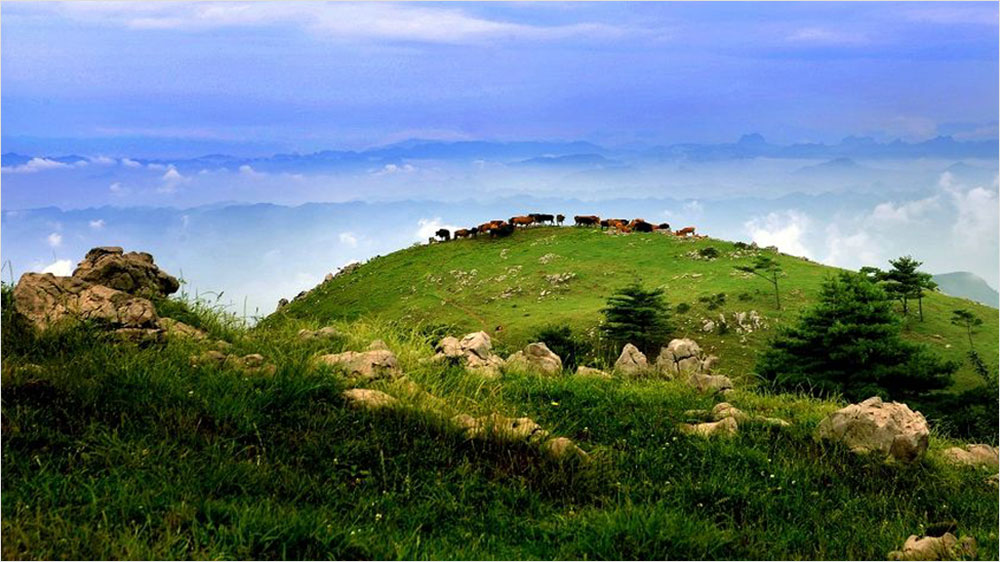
pixel 521 221
pixel 541 218
pixel 444 234
pixel 605 223
pixel 501 230
pixel 617 223
pixel 640 225
pixel 586 220
pixel 663 226
pixel 486 226
pixel 560 219
pixel 685 231
pixel 462 233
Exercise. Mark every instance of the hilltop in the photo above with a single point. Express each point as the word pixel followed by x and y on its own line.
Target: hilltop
pixel 544 276
pixel 968 285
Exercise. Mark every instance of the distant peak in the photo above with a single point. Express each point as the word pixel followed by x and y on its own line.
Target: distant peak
pixel 752 139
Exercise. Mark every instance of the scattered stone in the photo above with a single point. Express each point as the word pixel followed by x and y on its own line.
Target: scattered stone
pixel 544 260
pixel 378 345
pixel 710 383
pixel 209 357
pixel 631 361
pixel 133 273
pixel 501 429
pixel 449 347
pixel 582 371
pixel 707 326
pixel 368 365
pixel 475 350
pixel 562 448
pixel 178 329
pixel 282 303
pixel 364 398
pixel 726 427
pixel 890 429
pixel 327 332
pixel 973 455
pixel 539 357
pixel 328 277
pixel 724 410
pixel 945 547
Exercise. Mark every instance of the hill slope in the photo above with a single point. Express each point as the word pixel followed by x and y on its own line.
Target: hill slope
pixel 968 286
pixel 511 287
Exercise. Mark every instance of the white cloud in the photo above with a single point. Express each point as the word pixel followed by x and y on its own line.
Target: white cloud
pixel 427 227
pixel 890 214
pixel 950 15
pixel 36 165
pixel 341 21
pixel 129 163
pixel 97 224
pixel 116 188
pixel 820 35
pixel 61 268
pixel 157 167
pixel 102 160
pixel 172 179
pixel 850 250
pixel 248 171
pixel 349 239
pixel 782 229
pixel 390 169
pixel 54 239
pixel 977 220
pixel 693 207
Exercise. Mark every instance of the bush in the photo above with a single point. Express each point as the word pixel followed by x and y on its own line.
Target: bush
pixel 713 301
pixel 744 296
pixel 637 316
pixel 573 351
pixel 682 308
pixel 850 343
pixel 709 253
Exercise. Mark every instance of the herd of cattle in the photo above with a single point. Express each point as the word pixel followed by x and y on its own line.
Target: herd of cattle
pixel 501 228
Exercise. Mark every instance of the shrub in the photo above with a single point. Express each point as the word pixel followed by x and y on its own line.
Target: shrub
pixel 638 316
pixel 713 301
pixel 573 350
pixel 682 308
pixel 850 343
pixel 709 253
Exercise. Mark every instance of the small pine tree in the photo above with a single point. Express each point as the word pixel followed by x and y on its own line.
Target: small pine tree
pixel 850 343
pixel 904 282
pixel 766 268
pixel 967 320
pixel 637 316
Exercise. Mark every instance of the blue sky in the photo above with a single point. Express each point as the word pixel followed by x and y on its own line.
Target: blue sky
pixel 161 79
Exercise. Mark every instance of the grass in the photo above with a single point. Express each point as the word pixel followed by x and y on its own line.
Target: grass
pixel 497 286
pixel 119 451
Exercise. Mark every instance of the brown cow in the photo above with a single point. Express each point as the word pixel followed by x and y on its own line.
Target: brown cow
pixel 617 223
pixel 487 226
pixel 560 219
pixel 640 225
pixel 586 220
pixel 685 231
pixel 462 233
pixel 521 221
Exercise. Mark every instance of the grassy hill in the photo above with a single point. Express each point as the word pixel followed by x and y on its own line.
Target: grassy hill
pixel 484 284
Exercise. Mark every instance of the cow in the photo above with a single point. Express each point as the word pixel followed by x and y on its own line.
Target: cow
pixel 640 225
pixel 501 230
pixel 663 226
pixel 462 233
pixel 486 226
pixel 444 234
pixel 605 223
pixel 617 223
pixel 586 220
pixel 541 218
pixel 560 219
pixel 521 221
pixel 685 231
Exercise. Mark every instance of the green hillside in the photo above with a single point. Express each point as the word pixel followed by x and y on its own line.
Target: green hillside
pixel 484 284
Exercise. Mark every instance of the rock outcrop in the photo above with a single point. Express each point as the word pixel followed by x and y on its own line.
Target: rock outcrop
pixel 365 365
pixel 475 350
pixel 873 426
pixel 537 356
pixel 945 547
pixel 631 361
pixel 46 300
pixel 973 455
pixel 133 273
pixel 683 358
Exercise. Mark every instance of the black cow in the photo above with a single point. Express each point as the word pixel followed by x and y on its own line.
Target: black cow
pixel 444 234
pixel 560 219
pixel 542 218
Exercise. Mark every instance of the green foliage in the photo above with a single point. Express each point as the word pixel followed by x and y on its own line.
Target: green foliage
pixel 573 350
pixel 638 316
pixel 713 302
pixel 682 308
pixel 965 318
pixel 767 268
pixel 850 344
pixel 903 282
pixel 709 252
pixel 971 414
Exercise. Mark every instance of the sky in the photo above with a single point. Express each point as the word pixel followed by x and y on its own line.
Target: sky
pixel 165 79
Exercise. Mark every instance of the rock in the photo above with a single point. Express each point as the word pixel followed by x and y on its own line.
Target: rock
pixel 133 273
pixel 537 356
pixel 326 332
pixel 377 345
pixel 177 329
pixel 449 347
pixel 478 344
pixel 501 429
pixel 328 277
pixel 710 383
pixel 683 358
pixel 474 349
pixel 726 427
pixel 209 357
pixel 365 364
pixel 724 410
pixel 368 399
pixel 582 371
pixel 708 326
pixel 45 300
pixel 973 455
pixel 562 448
pixel 282 303
pixel 872 426
pixel 945 547
pixel 631 360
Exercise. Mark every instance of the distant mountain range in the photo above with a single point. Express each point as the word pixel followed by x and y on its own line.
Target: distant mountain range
pixel 968 285
pixel 537 153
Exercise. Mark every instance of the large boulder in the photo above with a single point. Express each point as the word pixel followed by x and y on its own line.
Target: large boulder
pixel 631 361
pixel 366 365
pixel 537 356
pixel 682 358
pixel 475 350
pixel 133 273
pixel 45 300
pixel 973 455
pixel 945 547
pixel 477 344
pixel 891 429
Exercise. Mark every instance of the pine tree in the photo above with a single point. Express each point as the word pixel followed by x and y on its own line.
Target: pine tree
pixel 637 316
pixel 766 268
pixel 904 282
pixel 967 320
pixel 850 343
